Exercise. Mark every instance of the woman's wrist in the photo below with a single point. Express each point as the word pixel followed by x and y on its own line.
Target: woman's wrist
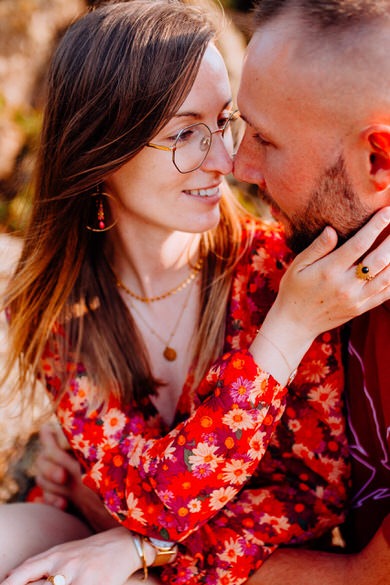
pixel 268 357
pixel 280 346
pixel 145 553
pixel 153 552
pixel 122 539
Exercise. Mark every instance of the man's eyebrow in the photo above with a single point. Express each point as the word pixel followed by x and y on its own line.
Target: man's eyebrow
pixel 246 120
pixel 198 115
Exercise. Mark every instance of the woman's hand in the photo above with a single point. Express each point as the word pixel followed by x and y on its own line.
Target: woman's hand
pixel 58 474
pixel 321 291
pixel 109 557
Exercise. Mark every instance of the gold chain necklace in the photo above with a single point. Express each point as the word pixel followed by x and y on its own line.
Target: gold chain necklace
pixel 169 353
pixel 173 291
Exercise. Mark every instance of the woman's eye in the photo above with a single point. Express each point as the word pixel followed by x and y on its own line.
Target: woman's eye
pixel 181 136
pixel 184 136
pixel 173 137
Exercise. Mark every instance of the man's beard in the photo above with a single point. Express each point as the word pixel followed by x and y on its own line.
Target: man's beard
pixel 333 202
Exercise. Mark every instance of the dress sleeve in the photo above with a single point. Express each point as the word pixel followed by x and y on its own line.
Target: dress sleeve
pixel 298 491
pixel 168 486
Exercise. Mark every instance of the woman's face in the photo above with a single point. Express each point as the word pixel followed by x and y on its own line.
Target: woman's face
pixel 149 189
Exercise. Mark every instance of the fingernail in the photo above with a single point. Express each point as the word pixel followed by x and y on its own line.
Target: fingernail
pixel 386 213
pixel 58 477
pixel 327 233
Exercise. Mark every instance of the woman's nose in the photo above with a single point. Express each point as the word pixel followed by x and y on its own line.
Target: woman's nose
pixel 219 157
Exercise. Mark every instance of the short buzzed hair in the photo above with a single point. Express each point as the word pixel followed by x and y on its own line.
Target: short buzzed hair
pixel 324 13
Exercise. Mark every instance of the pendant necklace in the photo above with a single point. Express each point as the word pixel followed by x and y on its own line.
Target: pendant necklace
pixel 169 353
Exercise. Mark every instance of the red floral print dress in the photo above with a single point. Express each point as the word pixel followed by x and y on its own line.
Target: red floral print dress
pixel 248 464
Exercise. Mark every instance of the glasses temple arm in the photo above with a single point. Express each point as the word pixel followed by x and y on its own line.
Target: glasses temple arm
pixel 158 147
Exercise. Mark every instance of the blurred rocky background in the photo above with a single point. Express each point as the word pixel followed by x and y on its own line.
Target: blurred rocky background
pixel 29 32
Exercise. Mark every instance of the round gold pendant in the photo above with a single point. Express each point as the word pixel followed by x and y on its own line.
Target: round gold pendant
pixel 170 354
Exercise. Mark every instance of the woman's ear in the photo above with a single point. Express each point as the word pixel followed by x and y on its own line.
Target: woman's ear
pixel 377 138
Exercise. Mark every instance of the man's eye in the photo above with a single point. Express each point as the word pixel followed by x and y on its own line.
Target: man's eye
pixel 261 140
pixel 222 121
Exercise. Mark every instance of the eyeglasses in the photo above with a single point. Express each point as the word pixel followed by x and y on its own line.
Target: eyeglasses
pixel 193 144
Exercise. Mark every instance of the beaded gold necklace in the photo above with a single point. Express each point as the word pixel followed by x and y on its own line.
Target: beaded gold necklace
pixel 173 291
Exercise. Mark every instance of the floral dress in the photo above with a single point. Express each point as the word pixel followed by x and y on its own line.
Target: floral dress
pixel 248 464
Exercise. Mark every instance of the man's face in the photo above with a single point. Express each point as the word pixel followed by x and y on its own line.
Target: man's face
pixel 297 146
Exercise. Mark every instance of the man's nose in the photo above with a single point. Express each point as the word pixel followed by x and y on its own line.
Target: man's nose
pixel 247 165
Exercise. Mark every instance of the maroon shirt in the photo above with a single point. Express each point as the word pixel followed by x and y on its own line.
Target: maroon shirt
pixel 368 415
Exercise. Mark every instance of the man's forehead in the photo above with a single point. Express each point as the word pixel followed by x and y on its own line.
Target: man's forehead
pixel 348 75
pixel 289 43
pixel 274 80
pixel 284 46
pixel 275 42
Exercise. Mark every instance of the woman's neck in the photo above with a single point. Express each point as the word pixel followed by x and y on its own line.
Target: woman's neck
pixel 152 261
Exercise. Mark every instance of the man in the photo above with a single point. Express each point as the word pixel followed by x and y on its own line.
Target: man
pixel 315 94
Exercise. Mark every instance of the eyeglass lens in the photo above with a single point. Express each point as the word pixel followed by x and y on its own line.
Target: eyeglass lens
pixel 193 143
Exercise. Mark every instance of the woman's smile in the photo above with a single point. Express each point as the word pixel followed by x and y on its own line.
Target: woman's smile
pixel 207 193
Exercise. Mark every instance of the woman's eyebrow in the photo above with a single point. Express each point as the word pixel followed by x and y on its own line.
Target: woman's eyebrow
pixel 197 115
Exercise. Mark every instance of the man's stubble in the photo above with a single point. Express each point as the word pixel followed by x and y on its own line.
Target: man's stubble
pixel 333 202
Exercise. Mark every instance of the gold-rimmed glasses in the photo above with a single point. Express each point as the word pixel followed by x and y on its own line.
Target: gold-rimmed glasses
pixel 193 143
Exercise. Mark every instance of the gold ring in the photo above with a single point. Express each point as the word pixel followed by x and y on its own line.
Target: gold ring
pixel 56 579
pixel 363 272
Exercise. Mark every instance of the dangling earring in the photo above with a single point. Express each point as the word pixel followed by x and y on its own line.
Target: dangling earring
pixel 100 215
pixel 100 222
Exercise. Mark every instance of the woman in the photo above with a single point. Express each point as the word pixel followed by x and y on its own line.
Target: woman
pixel 139 272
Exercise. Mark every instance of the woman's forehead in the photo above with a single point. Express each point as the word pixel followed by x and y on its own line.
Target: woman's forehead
pixel 211 87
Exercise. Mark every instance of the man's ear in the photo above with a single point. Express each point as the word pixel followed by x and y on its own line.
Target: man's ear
pixel 377 138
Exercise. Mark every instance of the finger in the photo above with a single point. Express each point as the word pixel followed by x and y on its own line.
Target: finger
pixel 70 466
pixel 52 488
pixel 55 500
pixel 379 286
pixel 378 259
pixel 57 435
pixel 32 570
pixel 60 457
pixel 378 291
pixel 319 248
pixel 357 245
pixel 48 438
pixel 49 470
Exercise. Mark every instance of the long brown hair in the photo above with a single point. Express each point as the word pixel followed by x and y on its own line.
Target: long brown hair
pixel 117 77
